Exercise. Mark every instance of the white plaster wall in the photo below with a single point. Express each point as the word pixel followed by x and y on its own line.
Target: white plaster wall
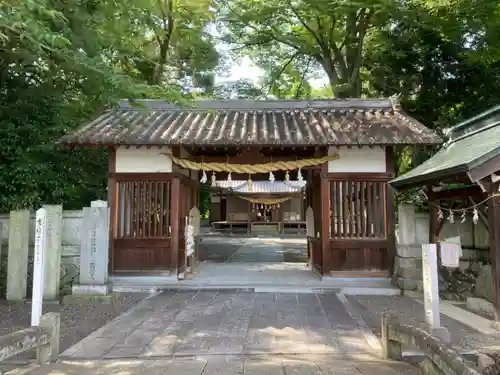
pixel 143 160
pixel 365 159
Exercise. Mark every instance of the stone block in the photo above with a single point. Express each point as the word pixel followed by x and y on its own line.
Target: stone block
pixel 484 283
pixel 409 251
pixel 407 284
pixel 481 306
pixel 17 261
pixel 407 224
pixel 408 268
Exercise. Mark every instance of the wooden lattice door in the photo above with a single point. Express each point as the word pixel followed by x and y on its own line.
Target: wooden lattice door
pixel 142 224
pixel 358 224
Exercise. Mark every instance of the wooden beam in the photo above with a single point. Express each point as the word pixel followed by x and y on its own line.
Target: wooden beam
pixel 494 222
pixel 390 219
pixel 175 223
pixel 463 192
pixel 325 221
pixel 485 169
pixel 112 197
pixel 433 219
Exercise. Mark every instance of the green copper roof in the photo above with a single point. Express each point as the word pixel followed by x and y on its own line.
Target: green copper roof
pixel 470 143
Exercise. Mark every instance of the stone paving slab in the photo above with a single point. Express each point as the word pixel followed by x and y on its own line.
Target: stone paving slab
pixel 257 365
pixel 181 324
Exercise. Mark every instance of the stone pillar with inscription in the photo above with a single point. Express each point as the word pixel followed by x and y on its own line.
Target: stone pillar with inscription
pixel 17 261
pixel 94 251
pixel 52 261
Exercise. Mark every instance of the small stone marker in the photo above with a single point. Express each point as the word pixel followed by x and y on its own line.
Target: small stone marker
pixel 52 261
pixel 94 251
pixel 38 265
pixel 309 222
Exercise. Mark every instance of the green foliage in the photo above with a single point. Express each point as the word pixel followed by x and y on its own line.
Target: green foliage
pixel 63 62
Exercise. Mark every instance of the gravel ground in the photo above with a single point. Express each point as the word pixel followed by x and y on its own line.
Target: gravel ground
pixel 462 336
pixel 78 320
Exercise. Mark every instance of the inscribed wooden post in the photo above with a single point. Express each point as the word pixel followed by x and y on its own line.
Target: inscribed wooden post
pixel 38 265
pixel 431 283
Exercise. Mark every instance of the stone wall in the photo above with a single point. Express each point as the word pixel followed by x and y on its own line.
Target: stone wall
pixel 70 243
pixel 458 284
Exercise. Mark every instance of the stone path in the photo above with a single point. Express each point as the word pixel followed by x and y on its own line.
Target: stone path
pixel 263 365
pixel 227 323
pixel 229 333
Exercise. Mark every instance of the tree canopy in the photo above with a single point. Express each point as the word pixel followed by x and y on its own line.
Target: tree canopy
pixel 63 61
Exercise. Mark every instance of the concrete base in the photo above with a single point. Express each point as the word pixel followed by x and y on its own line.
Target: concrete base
pixel 80 289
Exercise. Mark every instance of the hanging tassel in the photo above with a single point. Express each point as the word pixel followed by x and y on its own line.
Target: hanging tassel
pixel 475 216
pixel 464 216
pixel 214 178
pixel 299 175
pixel 287 176
pixel 271 176
pixel 440 215
pixel 229 179
pixel 204 178
pixel 451 217
pixel 249 182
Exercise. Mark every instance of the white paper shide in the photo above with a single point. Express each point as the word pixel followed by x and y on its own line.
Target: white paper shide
pixel 189 236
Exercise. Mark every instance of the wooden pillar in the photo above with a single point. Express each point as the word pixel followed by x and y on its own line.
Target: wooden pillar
pixel 249 214
pixel 221 210
pixel 112 204
pixel 325 220
pixel 433 215
pixel 494 236
pixel 390 226
pixel 175 223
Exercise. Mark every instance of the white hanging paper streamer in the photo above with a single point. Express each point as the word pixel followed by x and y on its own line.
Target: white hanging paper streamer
pixel 299 175
pixel 214 178
pixel 451 217
pixel 204 178
pixel 271 177
pixel 475 216
pixel 229 177
pixel 464 216
pixel 440 215
pixel 189 237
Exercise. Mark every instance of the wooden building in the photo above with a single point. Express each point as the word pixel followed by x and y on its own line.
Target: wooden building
pixel 464 176
pixel 345 149
pixel 264 207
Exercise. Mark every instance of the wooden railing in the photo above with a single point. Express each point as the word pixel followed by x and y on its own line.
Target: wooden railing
pixel 45 339
pixel 440 357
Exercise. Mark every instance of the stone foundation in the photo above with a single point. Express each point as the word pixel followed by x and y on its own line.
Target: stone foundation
pixel 454 284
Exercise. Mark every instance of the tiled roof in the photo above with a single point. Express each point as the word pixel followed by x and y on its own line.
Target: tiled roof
pixel 470 143
pixel 251 122
pixel 241 186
